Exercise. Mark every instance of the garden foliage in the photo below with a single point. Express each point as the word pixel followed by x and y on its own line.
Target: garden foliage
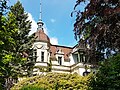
pixel 54 81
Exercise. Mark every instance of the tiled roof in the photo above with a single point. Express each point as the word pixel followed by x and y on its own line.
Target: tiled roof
pixel 41 36
pixel 64 49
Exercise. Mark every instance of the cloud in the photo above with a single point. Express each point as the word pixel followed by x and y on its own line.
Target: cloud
pixel 52 20
pixel 54 40
pixel 33 24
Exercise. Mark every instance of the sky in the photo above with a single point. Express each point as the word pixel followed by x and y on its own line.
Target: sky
pixel 58 24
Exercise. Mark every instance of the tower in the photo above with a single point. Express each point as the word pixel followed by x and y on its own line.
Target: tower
pixel 42 41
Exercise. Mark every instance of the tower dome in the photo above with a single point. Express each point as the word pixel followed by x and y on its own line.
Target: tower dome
pixel 41 36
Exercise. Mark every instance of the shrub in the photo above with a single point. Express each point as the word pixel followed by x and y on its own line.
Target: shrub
pixel 54 81
pixel 29 87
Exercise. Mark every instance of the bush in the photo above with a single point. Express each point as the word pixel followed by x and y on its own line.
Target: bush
pixel 29 87
pixel 54 81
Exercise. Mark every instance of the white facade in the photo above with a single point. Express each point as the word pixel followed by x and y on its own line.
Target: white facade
pixel 59 65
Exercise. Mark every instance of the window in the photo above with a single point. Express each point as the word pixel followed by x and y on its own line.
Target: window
pixel 42 56
pixel 81 58
pixel 77 58
pixel 60 60
pixel 39 26
pixel 34 55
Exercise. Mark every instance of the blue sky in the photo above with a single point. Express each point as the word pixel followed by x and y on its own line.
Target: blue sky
pixel 56 17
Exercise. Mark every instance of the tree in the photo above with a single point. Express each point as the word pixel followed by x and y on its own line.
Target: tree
pixel 3 7
pixel 22 38
pixel 108 76
pixel 6 55
pixel 99 25
pixel 5 42
pixel 15 45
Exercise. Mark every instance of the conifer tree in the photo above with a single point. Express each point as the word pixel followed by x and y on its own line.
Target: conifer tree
pixel 24 25
pixel 22 38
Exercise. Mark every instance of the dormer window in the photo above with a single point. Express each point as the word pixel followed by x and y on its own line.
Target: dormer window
pixel 60 60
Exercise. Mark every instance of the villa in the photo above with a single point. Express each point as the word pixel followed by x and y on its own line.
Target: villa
pixel 64 59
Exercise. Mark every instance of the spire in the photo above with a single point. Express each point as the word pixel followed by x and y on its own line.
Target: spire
pixel 40 23
pixel 40 17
